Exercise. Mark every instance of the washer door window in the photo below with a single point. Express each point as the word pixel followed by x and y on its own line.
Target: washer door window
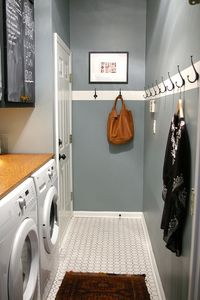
pixel 24 262
pixel 50 220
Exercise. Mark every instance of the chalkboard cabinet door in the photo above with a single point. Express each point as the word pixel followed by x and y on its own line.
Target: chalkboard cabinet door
pixel 18 53
pixel 1 52
pixel 1 84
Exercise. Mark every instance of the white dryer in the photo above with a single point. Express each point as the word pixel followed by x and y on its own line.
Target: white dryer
pixel 46 182
pixel 19 249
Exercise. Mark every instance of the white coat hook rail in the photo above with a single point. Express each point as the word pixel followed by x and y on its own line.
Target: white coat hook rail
pixel 95 94
pixel 161 88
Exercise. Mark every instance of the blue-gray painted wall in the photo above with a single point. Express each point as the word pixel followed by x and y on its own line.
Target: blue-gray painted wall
pixel 108 25
pixel 60 19
pixel 106 177
pixel 174 271
pixel 172 36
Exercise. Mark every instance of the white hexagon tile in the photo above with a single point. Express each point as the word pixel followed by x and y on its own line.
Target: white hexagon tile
pixel 109 245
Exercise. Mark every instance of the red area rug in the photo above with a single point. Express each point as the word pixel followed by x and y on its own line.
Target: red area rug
pixel 92 286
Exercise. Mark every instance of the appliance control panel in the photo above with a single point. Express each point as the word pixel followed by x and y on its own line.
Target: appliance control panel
pixel 26 197
pixel 51 172
pixel 45 176
pixel 19 202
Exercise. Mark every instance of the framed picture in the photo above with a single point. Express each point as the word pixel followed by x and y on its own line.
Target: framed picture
pixel 108 67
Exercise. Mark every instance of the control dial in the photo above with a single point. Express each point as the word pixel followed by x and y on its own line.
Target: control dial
pixel 22 203
pixel 50 174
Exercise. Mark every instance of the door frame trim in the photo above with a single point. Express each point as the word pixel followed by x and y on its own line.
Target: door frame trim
pixel 57 40
pixel 194 275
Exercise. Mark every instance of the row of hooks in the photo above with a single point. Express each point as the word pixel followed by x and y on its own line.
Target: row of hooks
pixel 149 93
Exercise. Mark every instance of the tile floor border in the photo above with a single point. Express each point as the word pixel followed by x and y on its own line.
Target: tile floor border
pixel 104 244
pixel 107 214
pixel 153 261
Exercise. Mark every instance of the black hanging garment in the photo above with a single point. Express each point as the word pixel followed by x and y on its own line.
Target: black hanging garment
pixel 176 184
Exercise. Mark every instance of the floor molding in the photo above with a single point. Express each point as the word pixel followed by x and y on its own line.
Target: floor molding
pixel 107 214
pixel 153 261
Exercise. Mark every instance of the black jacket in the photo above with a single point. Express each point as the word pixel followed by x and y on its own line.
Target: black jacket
pixel 176 184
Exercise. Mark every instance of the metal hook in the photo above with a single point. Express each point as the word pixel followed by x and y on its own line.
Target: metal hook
pixel 195 71
pixel 95 94
pixel 120 92
pixel 173 86
pixel 165 87
pixel 146 95
pixel 159 89
pixel 155 93
pixel 150 93
pixel 183 80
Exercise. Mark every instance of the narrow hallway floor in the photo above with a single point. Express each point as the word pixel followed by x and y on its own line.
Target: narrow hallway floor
pixel 108 245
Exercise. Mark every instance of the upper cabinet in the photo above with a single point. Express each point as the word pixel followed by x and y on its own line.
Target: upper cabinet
pixel 1 54
pixel 17 79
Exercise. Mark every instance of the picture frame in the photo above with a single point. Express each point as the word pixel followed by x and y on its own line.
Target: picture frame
pixel 108 67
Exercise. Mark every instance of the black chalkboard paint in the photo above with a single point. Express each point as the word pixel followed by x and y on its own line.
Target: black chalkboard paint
pixel 20 40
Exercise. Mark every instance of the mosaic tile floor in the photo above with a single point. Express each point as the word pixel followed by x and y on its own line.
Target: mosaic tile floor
pixel 110 245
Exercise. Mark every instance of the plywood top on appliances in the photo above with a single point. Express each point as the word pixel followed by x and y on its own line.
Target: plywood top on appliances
pixel 15 168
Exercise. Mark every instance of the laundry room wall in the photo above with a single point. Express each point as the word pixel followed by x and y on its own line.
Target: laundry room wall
pixel 114 25
pixel 172 28
pixel 31 129
pixel 170 41
pixel 106 177
pixel 60 19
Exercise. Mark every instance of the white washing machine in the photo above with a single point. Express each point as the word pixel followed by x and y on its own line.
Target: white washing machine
pixel 46 184
pixel 19 249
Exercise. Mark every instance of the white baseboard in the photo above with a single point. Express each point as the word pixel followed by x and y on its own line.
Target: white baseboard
pixel 107 214
pixel 156 274
pixel 140 215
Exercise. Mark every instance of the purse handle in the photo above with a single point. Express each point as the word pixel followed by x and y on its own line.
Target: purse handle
pixel 122 100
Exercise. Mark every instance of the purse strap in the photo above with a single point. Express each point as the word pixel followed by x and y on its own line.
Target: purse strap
pixel 122 100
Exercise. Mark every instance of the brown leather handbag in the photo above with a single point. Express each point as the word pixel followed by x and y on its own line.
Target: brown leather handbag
pixel 120 128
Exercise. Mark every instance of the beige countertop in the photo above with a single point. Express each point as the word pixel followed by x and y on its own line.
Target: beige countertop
pixel 15 168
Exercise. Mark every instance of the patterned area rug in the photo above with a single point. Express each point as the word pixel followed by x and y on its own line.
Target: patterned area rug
pixel 94 286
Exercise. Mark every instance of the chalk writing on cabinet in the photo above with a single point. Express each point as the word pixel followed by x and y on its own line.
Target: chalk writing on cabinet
pixel 20 38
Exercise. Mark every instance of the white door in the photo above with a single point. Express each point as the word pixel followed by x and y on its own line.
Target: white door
pixel 63 129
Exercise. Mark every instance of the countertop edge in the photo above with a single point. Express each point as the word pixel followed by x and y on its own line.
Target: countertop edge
pixel 47 157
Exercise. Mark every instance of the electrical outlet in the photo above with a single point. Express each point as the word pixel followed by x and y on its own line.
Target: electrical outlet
pixel 152 106
pixel 154 126
pixel 192 202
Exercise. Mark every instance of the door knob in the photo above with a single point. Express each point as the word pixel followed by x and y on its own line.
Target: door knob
pixel 60 142
pixel 63 156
